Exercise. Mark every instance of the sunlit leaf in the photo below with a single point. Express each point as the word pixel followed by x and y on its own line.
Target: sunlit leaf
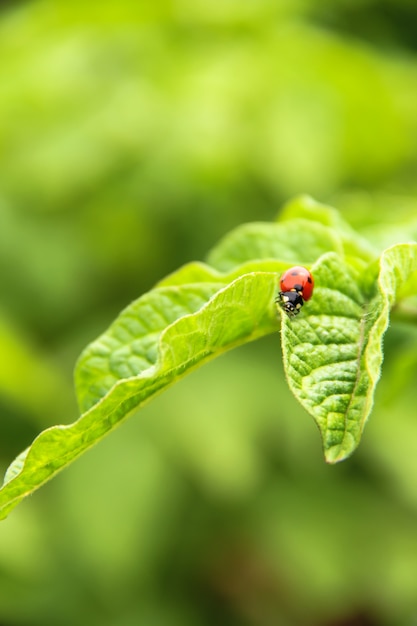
pixel 332 350
pixel 153 343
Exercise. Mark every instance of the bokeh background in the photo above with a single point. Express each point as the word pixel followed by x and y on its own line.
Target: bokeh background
pixel 133 135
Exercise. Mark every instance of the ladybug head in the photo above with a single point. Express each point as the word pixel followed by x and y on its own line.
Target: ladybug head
pixel 291 302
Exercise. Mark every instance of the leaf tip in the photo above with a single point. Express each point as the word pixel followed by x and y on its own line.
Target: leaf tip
pixel 337 453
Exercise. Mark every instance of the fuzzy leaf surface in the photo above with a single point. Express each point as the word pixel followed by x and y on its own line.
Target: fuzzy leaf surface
pixel 154 342
pixel 333 352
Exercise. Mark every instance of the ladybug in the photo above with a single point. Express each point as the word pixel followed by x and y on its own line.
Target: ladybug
pixel 296 286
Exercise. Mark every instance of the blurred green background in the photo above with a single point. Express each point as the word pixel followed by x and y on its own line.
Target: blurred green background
pixel 132 136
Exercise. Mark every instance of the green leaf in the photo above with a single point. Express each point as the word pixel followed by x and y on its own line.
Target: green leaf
pixel 333 351
pixel 153 343
pixel 308 212
pixel 306 230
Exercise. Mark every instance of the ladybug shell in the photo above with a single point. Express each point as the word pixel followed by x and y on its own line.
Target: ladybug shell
pixel 298 279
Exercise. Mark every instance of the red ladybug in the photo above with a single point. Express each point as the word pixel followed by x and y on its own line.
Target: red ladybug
pixel 296 286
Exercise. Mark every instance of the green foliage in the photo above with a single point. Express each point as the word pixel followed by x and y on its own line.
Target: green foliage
pixel 332 352
pixel 133 136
